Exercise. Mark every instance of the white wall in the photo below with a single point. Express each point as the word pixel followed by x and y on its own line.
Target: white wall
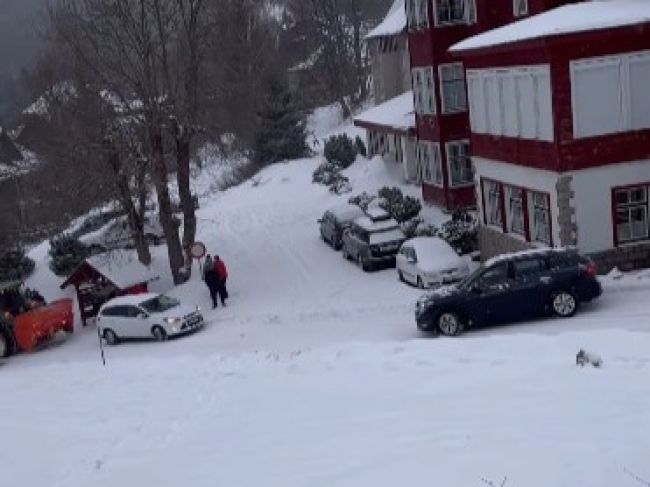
pixel 593 200
pixel 529 178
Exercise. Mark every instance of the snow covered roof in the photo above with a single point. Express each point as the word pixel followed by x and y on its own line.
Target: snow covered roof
pixel 434 254
pixel 394 23
pixel 397 114
pixel 132 299
pixel 346 212
pixel 578 17
pixel 121 269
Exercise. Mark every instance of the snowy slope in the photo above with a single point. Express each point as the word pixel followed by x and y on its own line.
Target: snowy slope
pixel 314 375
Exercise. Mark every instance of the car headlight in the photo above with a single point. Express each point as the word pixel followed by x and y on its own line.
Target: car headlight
pixel 171 321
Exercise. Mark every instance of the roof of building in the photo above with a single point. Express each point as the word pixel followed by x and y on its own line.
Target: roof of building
pixel 397 114
pixel 119 267
pixel 569 19
pixel 393 24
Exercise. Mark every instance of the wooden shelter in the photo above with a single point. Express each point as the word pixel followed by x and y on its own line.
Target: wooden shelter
pixel 103 277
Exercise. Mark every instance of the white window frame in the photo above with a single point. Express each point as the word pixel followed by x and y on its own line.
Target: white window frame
pixel 490 102
pixel 540 216
pixel 627 103
pixel 430 161
pixel 469 16
pixel 492 193
pixel 628 207
pixel 516 221
pixel 417 14
pixel 458 87
pixel 468 180
pixel 519 8
pixel 424 94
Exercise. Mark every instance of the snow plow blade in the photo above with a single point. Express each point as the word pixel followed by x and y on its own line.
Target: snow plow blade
pixel 41 324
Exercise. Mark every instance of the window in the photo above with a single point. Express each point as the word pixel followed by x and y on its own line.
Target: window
pixel 520 7
pixel 631 213
pixel 492 198
pixel 541 216
pixel 429 160
pixel 460 163
pixel 620 86
pixel 455 12
pixel 494 277
pixel 529 267
pixel 516 219
pixel 452 88
pixel 417 14
pixel 513 102
pixel 423 94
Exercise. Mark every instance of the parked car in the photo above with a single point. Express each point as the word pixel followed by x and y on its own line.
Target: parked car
pixel 335 220
pixel 146 316
pixel 373 240
pixel 117 235
pixel 430 262
pixel 509 288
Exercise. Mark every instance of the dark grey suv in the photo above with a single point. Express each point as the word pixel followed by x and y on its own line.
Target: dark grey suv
pixel 373 241
pixel 334 222
pixel 510 288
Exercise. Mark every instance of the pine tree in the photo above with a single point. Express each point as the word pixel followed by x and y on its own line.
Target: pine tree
pixel 281 130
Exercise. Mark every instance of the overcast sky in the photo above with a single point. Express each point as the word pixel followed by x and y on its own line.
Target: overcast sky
pixel 18 38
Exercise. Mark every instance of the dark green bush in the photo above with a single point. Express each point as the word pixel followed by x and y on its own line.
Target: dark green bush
pixel 340 150
pixel 66 253
pixel 15 265
pixel 398 206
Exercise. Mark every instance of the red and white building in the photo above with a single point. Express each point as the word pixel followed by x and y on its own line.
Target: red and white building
pixel 440 96
pixel 560 131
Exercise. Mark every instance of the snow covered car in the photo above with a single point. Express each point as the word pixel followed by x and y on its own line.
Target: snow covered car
pixel 146 316
pixel 373 240
pixel 509 288
pixel 334 222
pixel 117 235
pixel 429 262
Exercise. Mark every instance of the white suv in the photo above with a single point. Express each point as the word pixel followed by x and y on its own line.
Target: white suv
pixel 146 316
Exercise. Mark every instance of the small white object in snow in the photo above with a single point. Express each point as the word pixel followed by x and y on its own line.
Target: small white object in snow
pixel 578 17
pixel 585 358
pixel 616 273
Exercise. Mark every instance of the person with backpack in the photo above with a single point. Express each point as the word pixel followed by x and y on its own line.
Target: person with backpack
pixel 222 276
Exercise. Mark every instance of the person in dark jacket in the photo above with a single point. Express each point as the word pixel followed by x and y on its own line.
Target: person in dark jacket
pixel 211 279
pixel 222 274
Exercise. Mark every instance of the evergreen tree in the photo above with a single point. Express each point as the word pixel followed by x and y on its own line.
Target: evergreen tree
pixel 66 253
pixel 281 130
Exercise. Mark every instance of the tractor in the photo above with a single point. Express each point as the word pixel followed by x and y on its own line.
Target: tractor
pixel 27 321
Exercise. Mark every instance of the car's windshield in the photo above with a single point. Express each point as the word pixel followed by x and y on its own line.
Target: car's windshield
pixel 160 304
pixel 469 280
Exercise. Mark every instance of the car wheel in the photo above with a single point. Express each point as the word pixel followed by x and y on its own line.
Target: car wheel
pixel 420 283
pixel 363 263
pixel 111 337
pixel 564 304
pixel 159 333
pixel 449 324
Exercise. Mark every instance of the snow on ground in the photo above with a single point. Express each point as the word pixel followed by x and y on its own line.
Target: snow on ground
pixel 315 375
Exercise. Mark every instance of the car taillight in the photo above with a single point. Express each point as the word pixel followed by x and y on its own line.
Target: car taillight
pixel 590 269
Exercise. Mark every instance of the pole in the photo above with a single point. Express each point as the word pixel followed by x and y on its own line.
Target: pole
pixel 101 347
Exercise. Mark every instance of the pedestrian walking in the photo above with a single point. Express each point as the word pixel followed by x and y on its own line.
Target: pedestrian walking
pixel 221 271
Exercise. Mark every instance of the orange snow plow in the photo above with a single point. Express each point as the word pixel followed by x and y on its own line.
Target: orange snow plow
pixel 42 323
pixel 26 321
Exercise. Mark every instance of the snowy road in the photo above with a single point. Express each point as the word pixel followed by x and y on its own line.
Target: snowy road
pixel 315 375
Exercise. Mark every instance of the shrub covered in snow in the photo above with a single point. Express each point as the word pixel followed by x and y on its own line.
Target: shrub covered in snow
pixel 461 232
pixel 401 208
pixel 340 185
pixel 15 265
pixel 417 227
pixel 330 175
pixel 66 253
pixel 362 200
pixel 340 150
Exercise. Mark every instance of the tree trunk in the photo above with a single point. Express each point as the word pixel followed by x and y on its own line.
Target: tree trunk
pixel 165 211
pixel 362 89
pixel 134 217
pixel 185 192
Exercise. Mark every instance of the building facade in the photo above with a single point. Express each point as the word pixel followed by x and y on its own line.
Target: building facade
pixel 560 131
pixel 439 87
